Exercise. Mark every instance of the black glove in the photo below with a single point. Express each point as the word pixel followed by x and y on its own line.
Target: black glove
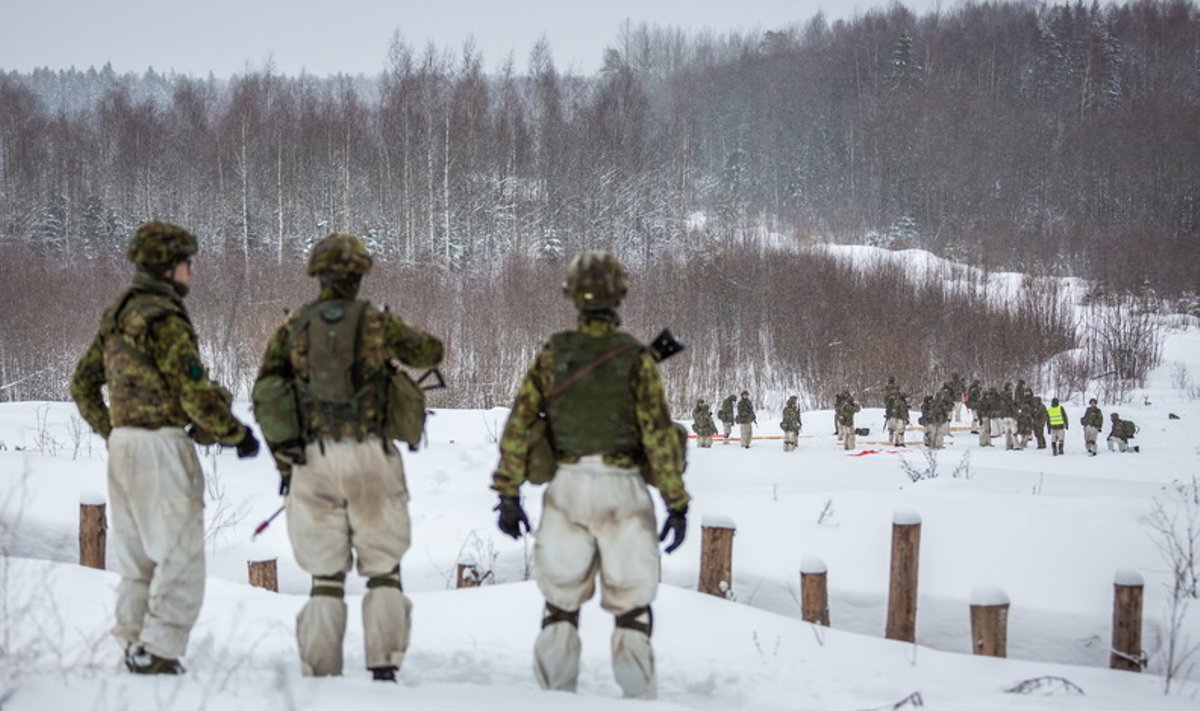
pixel 247 447
pixel 511 516
pixel 676 525
pixel 285 482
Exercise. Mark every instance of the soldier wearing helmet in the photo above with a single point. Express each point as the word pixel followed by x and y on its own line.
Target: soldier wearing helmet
pixel 746 419
pixel 790 424
pixel 702 424
pixel 147 355
pixel 324 396
pixel 599 394
pixel 726 413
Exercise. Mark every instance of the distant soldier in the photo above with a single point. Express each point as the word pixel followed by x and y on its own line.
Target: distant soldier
pixel 925 421
pixel 1038 417
pixel 958 390
pixel 986 411
pixel 726 416
pixel 1056 420
pixel 845 415
pixel 838 398
pixel 746 419
pixel 974 398
pixel 1122 431
pixel 702 424
pixel 1024 424
pixel 790 424
pixel 939 416
pixel 159 392
pixel 1093 422
pixel 1020 394
pixel 890 391
pixel 897 417
pixel 1007 411
pixel 613 436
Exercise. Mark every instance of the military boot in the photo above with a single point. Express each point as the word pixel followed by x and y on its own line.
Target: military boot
pixel 383 674
pixel 139 661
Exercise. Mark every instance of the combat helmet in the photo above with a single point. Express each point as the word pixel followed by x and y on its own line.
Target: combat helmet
pixel 339 253
pixel 596 281
pixel 158 246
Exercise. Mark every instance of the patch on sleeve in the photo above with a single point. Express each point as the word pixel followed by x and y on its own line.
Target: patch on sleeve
pixel 195 371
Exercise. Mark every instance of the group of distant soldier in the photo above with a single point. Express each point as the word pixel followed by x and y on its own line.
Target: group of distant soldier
pixel 1014 412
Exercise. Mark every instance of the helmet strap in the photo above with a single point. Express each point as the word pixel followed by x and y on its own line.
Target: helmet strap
pixel 339 286
pixel 607 314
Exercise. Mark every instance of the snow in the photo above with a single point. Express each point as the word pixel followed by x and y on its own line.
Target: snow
pixel 92 498
pixel 1053 533
pixel 988 595
pixel 716 520
pixel 1128 577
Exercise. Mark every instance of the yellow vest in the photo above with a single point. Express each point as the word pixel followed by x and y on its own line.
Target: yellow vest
pixel 1056 415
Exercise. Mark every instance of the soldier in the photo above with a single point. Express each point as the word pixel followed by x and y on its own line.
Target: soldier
pixel 1122 431
pixel 1038 417
pixel 845 415
pixel 746 419
pixel 1024 424
pixel 897 417
pixel 1093 422
pixel 1057 422
pixel 939 416
pixel 602 399
pixel 159 392
pixel 1007 411
pixel 726 415
pixel 890 391
pixel 334 359
pixel 702 424
pixel 790 424
pixel 838 398
pixel 974 397
pixel 958 389
pixel 986 412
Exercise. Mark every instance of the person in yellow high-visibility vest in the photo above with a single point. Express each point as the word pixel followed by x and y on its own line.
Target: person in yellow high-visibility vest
pixel 1056 421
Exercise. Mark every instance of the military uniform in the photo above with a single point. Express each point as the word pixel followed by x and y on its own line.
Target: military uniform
pixel 702 424
pixel 958 388
pixel 790 424
pixel 939 417
pixel 599 394
pixel 1093 422
pixel 1122 431
pixel 146 352
pixel 986 412
pixel 1007 411
pixel 1056 420
pixel 845 419
pixel 1037 414
pixel 746 419
pixel 347 500
pixel 897 417
pixel 727 417
pixel 974 398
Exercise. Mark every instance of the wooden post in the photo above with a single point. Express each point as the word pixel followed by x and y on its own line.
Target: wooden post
pixel 989 622
pixel 716 556
pixel 93 534
pixel 814 591
pixel 468 576
pixel 1127 621
pixel 263 574
pixel 902 590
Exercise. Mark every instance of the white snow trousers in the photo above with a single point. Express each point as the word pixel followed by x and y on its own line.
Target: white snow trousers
pixel 790 439
pixel 156 493
pixel 846 434
pixel 1010 432
pixel 350 502
pixel 596 518
pixel 896 427
pixel 1090 434
pixel 746 432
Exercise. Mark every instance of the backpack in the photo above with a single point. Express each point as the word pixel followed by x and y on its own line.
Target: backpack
pixel 1128 429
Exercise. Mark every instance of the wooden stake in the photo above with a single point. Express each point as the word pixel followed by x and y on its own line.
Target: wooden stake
pixel 814 593
pixel 93 535
pixel 902 590
pixel 989 622
pixel 263 574
pixel 1127 622
pixel 716 558
pixel 468 576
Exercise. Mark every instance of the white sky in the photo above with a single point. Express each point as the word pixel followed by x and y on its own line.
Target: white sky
pixel 352 36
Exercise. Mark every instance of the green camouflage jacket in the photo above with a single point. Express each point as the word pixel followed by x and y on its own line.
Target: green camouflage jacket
pixel 791 419
pixel 745 412
pixel 660 440
pixel 146 353
pixel 702 421
pixel 726 411
pixel 384 338
pixel 845 412
pixel 1092 417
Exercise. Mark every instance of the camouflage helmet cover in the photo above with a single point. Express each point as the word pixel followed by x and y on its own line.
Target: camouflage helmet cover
pixel 596 280
pixel 160 245
pixel 339 253
pixel 791 400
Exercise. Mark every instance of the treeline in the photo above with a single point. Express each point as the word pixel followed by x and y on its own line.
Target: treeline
pixel 1015 135
pixel 774 322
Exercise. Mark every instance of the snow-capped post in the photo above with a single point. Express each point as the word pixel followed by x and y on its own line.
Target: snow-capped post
pixel 1127 621
pixel 716 555
pixel 902 591
pixel 989 621
pixel 263 574
pixel 93 531
pixel 814 591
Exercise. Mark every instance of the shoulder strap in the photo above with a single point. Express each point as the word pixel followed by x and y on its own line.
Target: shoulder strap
pixel 599 361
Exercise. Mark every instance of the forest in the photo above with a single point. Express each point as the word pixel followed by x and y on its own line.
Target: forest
pixel 1051 139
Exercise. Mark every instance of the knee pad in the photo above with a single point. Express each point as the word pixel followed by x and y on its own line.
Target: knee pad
pixel 639 618
pixel 387 580
pixel 553 615
pixel 329 586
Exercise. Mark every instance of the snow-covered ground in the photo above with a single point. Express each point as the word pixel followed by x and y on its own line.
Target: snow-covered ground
pixel 1051 532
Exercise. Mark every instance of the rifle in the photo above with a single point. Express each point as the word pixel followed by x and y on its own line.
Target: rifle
pixel 664 346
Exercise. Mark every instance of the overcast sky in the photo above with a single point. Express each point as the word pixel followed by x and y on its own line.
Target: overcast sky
pixel 352 36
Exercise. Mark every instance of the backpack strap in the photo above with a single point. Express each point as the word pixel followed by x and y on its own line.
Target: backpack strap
pixel 599 361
